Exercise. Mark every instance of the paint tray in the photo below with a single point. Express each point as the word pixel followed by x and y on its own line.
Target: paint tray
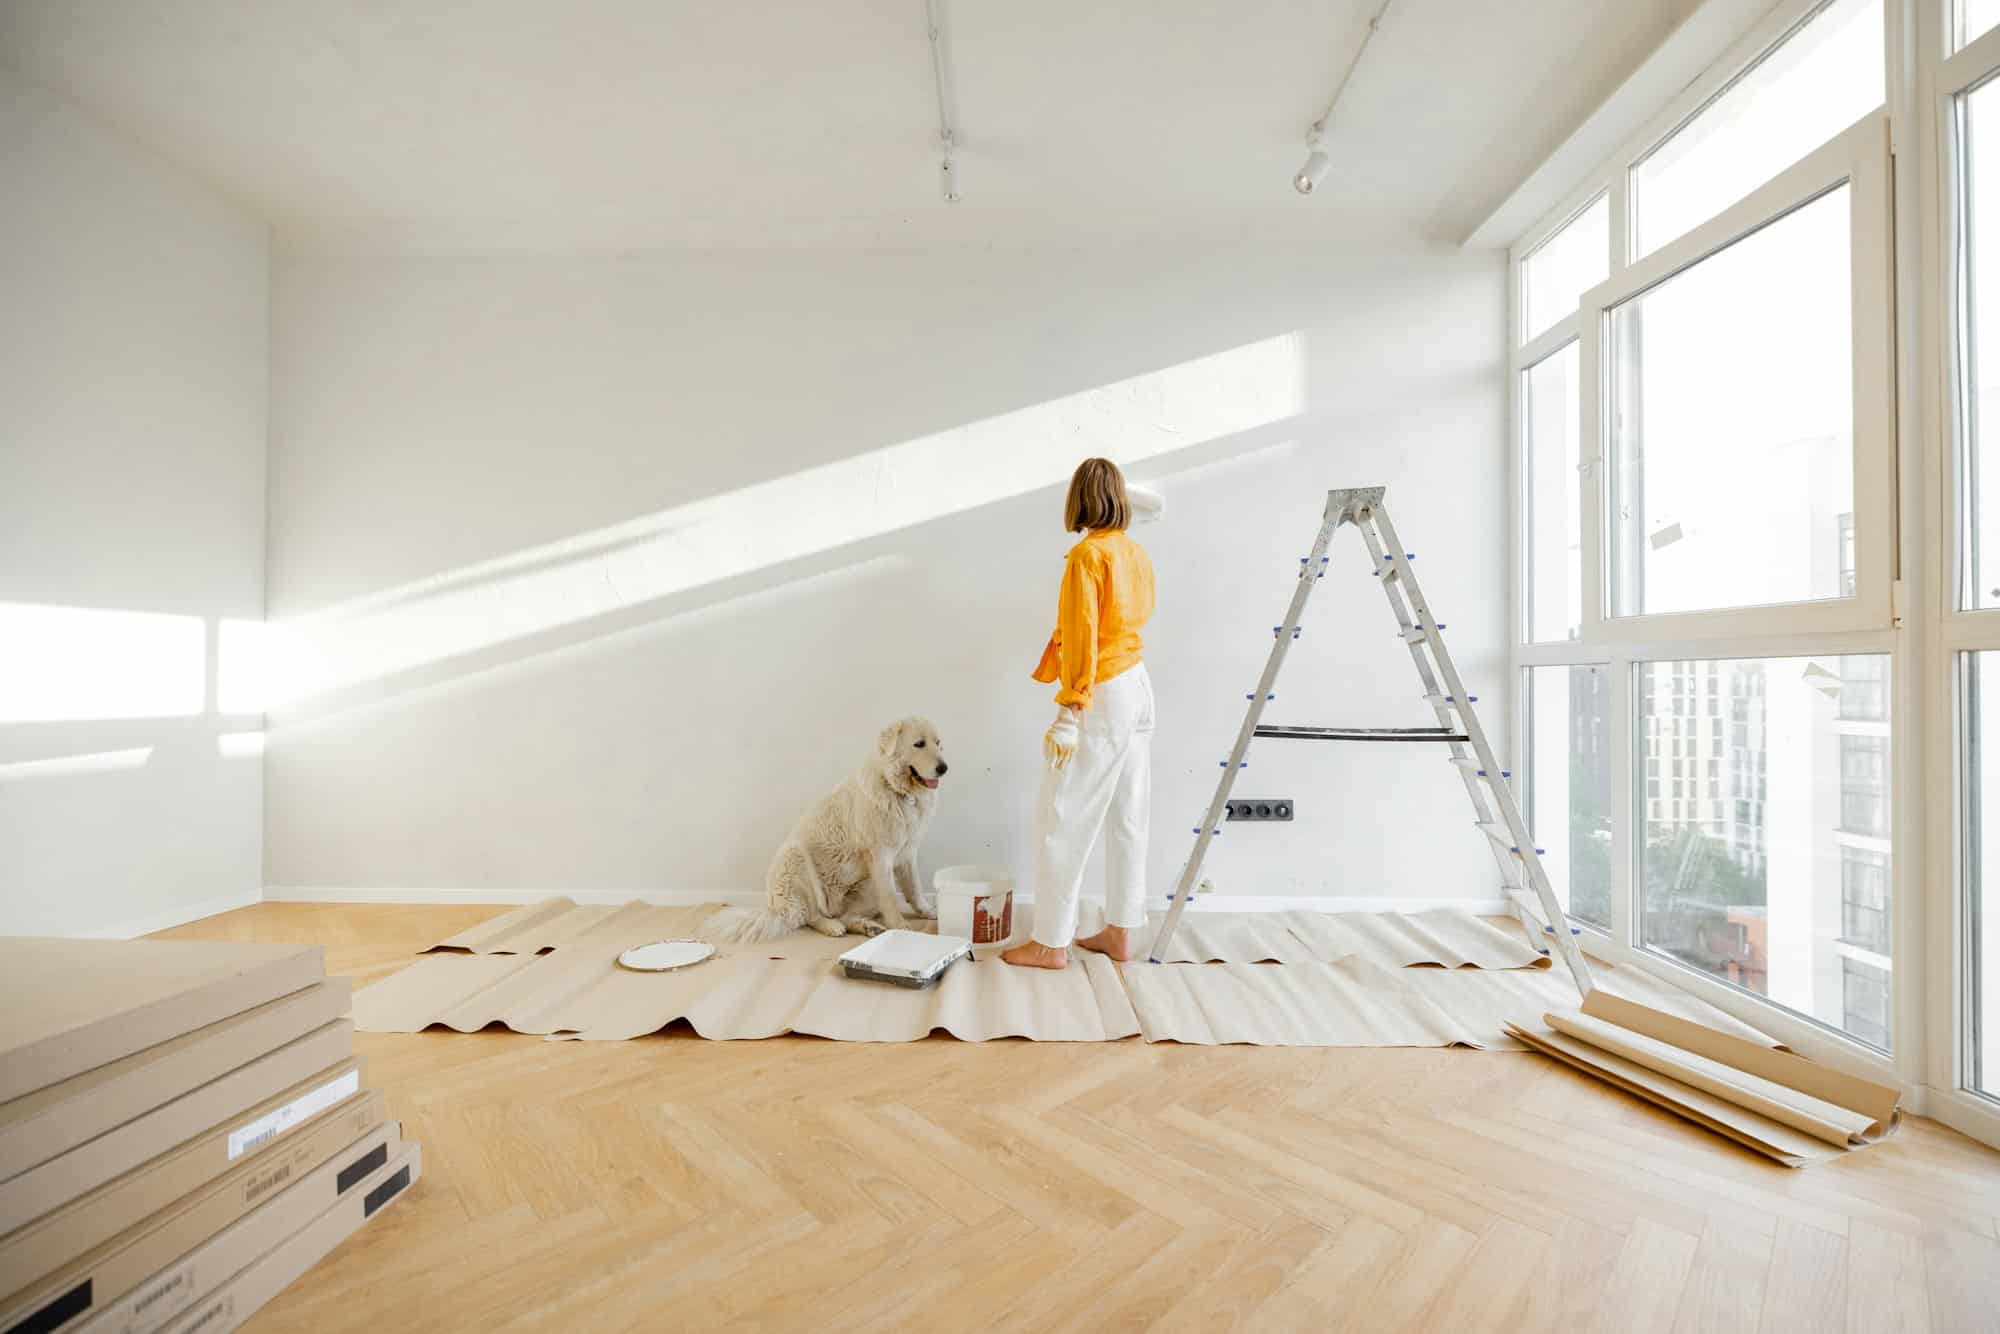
pixel 913 959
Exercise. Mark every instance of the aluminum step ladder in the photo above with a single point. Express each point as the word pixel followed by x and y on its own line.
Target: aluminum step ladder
pixel 1496 814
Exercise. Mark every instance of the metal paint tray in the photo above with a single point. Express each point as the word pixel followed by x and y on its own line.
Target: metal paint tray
pixel 912 959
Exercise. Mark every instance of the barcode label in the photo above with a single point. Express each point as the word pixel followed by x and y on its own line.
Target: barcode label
pixel 257 1141
pixel 156 1303
pixel 264 1181
pixel 258 1133
pixel 218 1312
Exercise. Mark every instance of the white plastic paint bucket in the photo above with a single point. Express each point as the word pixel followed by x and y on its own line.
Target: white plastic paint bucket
pixel 976 902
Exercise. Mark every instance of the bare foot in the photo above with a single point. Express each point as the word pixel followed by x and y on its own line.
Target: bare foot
pixel 1115 941
pixel 1034 954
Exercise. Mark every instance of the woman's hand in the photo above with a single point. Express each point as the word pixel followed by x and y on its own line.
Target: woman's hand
pixel 1059 742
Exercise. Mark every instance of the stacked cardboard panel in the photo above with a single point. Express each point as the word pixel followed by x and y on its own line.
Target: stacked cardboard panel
pixel 184 1129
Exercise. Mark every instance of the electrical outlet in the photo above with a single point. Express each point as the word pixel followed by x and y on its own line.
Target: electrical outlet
pixel 1260 808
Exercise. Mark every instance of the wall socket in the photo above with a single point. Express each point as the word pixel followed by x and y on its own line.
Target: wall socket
pixel 1259 808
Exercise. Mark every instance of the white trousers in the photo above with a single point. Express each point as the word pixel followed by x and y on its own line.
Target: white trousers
pixel 1107 785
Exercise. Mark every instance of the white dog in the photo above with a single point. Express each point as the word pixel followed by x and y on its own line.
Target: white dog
pixel 841 868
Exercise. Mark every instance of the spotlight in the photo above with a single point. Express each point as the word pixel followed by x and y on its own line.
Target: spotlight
pixel 1313 172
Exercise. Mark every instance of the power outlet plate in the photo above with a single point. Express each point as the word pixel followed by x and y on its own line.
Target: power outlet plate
pixel 1258 808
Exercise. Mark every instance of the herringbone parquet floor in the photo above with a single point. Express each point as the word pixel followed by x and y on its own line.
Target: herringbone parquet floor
pixel 672 1183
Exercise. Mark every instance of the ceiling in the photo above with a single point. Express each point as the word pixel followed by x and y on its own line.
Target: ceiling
pixel 474 125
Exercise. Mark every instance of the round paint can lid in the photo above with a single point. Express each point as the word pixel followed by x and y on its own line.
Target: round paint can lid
pixel 665 955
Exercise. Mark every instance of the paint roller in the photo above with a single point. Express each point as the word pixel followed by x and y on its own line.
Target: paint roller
pixel 1147 504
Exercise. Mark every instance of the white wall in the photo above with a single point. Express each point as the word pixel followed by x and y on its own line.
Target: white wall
pixel 132 432
pixel 597 570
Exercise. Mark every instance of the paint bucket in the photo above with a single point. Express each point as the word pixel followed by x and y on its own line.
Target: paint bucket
pixel 976 902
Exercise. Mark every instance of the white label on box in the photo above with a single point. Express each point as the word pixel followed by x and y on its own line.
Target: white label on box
pixel 254 1136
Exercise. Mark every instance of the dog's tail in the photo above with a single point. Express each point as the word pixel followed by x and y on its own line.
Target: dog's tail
pixel 743 926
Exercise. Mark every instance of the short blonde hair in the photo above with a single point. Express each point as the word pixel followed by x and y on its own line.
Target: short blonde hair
pixel 1097 498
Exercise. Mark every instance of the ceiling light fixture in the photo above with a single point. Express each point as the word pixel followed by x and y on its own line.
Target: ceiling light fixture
pixel 941 81
pixel 1308 177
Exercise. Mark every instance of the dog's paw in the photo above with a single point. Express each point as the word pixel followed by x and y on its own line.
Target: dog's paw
pixel 827 926
pixel 871 928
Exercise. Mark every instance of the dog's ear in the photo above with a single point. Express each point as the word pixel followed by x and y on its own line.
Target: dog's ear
pixel 889 740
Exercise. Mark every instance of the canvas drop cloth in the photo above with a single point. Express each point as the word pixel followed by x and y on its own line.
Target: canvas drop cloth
pixel 1441 937
pixel 1277 979
pixel 577 990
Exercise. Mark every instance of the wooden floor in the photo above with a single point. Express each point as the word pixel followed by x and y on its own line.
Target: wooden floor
pixel 673 1183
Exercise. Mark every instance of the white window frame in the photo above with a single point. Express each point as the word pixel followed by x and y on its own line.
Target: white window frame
pixel 1858 158
pixel 1954 630
pixel 1872 621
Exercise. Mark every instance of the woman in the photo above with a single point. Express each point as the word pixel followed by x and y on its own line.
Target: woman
pixel 1100 747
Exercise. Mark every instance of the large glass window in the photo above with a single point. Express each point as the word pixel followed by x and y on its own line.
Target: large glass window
pixel 1753 875
pixel 1864 898
pixel 1973 18
pixel 1864 1001
pixel 1550 396
pixel 1732 423
pixel 1981 820
pixel 1561 269
pixel 1979 357
pixel 1825 76
pixel 1569 784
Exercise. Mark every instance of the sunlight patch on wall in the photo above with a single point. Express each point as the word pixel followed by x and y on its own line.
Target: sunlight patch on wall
pixel 787 518
pixel 72 664
pixel 69 766
pixel 239 745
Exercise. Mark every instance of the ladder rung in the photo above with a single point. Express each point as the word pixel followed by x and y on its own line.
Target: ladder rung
pixel 1467 762
pixel 1498 833
pixel 1452 700
pixel 1416 634
pixel 1360 733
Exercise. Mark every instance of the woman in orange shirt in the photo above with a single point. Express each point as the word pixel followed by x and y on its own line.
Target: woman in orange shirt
pixel 1100 747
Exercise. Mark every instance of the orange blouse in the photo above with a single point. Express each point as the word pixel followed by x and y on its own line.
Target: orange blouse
pixel 1107 595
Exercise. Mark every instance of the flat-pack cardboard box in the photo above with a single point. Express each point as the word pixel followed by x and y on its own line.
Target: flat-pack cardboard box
pixel 67 1006
pixel 110 1270
pixel 225 1281
pixel 40 1125
pixel 188 1276
pixel 267 1135
pixel 66 1176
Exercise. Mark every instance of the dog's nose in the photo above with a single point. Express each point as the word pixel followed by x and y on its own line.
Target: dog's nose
pixel 943 768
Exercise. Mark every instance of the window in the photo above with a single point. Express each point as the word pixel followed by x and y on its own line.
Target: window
pixel 1551 404
pixel 1973 18
pixel 1864 1002
pixel 1749 899
pixel 1712 338
pixel 1732 435
pixel 1825 75
pixel 1846 524
pixel 1569 784
pixel 1564 267
pixel 1979 357
pixel 1864 688
pixel 1981 819
pixel 1864 785
pixel 1864 899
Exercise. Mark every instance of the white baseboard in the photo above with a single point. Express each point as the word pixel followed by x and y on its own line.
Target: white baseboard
pixel 685 898
pixel 337 895
pixel 181 916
